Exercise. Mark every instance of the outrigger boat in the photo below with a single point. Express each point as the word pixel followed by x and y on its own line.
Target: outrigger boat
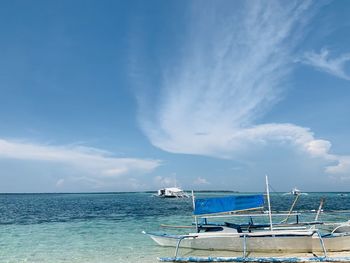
pixel 246 238
pixel 172 192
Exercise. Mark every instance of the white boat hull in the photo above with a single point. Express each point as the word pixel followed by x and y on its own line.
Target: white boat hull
pixel 257 243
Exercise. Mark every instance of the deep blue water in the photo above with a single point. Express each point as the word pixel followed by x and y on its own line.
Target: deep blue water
pixel 46 208
pixel 107 227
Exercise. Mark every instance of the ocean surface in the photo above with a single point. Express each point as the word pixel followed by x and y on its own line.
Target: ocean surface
pixel 107 227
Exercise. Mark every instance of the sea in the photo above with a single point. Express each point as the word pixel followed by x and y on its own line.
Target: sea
pixel 107 227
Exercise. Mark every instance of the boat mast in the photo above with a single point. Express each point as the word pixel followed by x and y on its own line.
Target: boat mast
pixel 268 201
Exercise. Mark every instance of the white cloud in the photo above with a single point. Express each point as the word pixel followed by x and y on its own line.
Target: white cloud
pixel 323 62
pixel 201 181
pixel 318 147
pixel 342 168
pixel 97 165
pixel 163 181
pixel 231 71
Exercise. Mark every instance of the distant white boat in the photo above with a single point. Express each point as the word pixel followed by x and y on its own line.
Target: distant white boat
pixel 295 191
pixel 172 192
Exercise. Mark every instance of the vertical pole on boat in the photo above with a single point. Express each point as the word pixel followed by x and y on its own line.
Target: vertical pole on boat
pixel 194 207
pixel 245 246
pixel 268 201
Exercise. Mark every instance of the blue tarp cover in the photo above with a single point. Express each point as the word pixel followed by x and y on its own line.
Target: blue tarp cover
pixel 215 205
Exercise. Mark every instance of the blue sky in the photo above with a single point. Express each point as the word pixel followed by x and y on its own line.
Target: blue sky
pixel 135 95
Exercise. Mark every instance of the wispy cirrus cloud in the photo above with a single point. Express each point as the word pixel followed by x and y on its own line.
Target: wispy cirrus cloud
pixel 231 71
pixel 96 165
pixel 323 61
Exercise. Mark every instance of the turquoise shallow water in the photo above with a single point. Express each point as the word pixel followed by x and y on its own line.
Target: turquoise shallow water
pixel 106 227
